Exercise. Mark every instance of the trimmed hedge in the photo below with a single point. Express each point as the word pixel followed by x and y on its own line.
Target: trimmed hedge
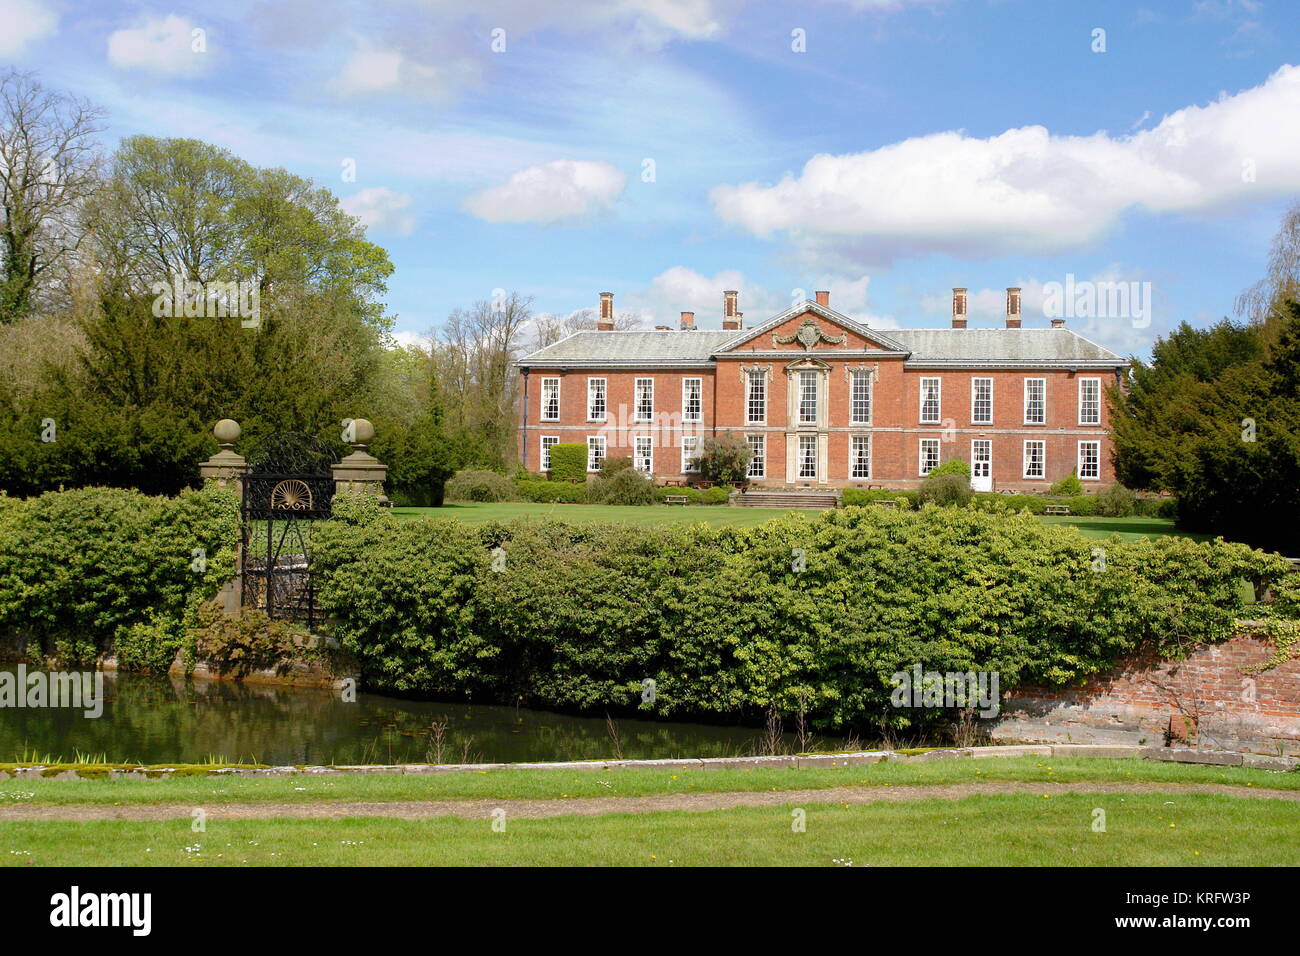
pixel 576 617
pixel 480 486
pixel 569 461
pixel 83 570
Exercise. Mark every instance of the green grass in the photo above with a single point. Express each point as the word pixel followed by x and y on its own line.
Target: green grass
pixel 1003 829
pixel 553 784
pixel 478 513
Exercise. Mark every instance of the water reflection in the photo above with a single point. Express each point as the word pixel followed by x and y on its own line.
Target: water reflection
pixel 162 719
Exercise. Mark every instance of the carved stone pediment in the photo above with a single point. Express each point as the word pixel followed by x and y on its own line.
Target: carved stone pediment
pixel 808 335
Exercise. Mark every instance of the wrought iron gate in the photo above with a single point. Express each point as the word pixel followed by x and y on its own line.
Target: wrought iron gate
pixel 288 486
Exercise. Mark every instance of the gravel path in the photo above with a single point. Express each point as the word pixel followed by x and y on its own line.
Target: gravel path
pixel 598 806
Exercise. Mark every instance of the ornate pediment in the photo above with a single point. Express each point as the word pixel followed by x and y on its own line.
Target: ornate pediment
pixel 808 335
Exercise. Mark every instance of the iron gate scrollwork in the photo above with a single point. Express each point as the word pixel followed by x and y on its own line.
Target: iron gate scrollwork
pixel 288 486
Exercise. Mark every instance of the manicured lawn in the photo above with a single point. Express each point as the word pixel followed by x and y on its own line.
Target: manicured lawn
pixel 476 513
pixel 1002 829
pixel 561 784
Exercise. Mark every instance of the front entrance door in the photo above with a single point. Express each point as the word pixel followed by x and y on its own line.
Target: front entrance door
pixel 981 464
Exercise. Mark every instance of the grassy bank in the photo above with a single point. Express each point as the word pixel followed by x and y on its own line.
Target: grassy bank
pixel 562 784
pixel 478 513
pixel 1021 829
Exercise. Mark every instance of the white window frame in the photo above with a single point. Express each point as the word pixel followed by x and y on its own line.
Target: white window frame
pixel 686 399
pixel 1097 383
pixel 548 383
pixel 807 441
pixel 805 375
pixel 974 400
pixel 859 377
pixel 854 443
pixel 937 382
pixel 922 456
pixel 649 456
pixel 593 461
pixel 597 386
pixel 1042 459
pixel 643 387
pixel 1043 420
pixel 758 457
pixel 756 384
pixel 546 450
pixel 1082 477
pixel 690 454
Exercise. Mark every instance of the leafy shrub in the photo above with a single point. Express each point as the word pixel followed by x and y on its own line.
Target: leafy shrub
pixel 1068 487
pixel 953 466
pixel 578 616
pixel 148 646
pixel 1116 502
pixel 725 457
pixel 237 646
pixel 714 496
pixel 612 466
pixel 548 492
pixel 951 489
pixel 357 507
pixel 625 486
pixel 569 461
pixel 480 486
pixel 78 568
pixel 864 496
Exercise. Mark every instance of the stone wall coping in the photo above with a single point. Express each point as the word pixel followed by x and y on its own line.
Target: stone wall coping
pixel 792 762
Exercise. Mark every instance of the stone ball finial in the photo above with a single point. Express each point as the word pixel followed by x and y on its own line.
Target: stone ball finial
pixel 362 431
pixel 226 431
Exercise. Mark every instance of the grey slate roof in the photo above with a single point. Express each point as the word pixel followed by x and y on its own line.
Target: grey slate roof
pixel 939 347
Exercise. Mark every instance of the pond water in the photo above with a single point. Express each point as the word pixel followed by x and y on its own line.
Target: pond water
pixel 163 719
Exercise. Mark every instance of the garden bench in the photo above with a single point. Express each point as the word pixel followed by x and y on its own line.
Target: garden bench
pixel 676 499
pixel 1056 510
pixel 886 502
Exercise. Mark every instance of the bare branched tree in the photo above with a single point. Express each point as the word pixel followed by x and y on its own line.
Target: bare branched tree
pixel 549 329
pixel 1264 300
pixel 49 166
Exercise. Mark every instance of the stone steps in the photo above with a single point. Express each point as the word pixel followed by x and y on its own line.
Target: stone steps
pixel 779 499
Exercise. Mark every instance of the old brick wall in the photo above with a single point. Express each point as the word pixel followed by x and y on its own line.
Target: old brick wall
pixel 1211 700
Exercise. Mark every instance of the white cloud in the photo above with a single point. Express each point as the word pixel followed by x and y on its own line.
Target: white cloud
pixel 681 289
pixel 160 45
pixel 21 22
pixel 380 208
pixel 1027 190
pixel 372 70
pixel 550 192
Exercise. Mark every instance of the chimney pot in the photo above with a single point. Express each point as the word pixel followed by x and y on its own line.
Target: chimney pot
pixel 958 307
pixel 1058 323
pixel 730 316
pixel 605 322
pixel 688 321
pixel 1013 307
pixel 823 299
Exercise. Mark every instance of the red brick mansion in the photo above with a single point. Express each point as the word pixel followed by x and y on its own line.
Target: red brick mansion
pixel 823 400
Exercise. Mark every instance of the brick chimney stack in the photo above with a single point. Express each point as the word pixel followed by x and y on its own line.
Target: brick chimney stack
pixel 605 323
pixel 823 299
pixel 730 315
pixel 1058 323
pixel 958 308
pixel 1013 307
pixel 688 321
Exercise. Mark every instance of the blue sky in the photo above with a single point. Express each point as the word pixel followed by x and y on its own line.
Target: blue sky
pixel 910 146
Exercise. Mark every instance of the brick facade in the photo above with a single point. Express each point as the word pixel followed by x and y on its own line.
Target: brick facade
pixel 838 349
pixel 1213 699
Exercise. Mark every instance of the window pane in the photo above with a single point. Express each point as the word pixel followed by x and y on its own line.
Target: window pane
pixel 758 455
pixel 1089 459
pixel 1035 401
pixel 808 398
pixel 930 400
pixel 756 403
pixel 860 403
pixel 645 401
pixel 692 399
pixel 596 399
pixel 929 455
pixel 860 459
pixel 981 412
pixel 807 456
